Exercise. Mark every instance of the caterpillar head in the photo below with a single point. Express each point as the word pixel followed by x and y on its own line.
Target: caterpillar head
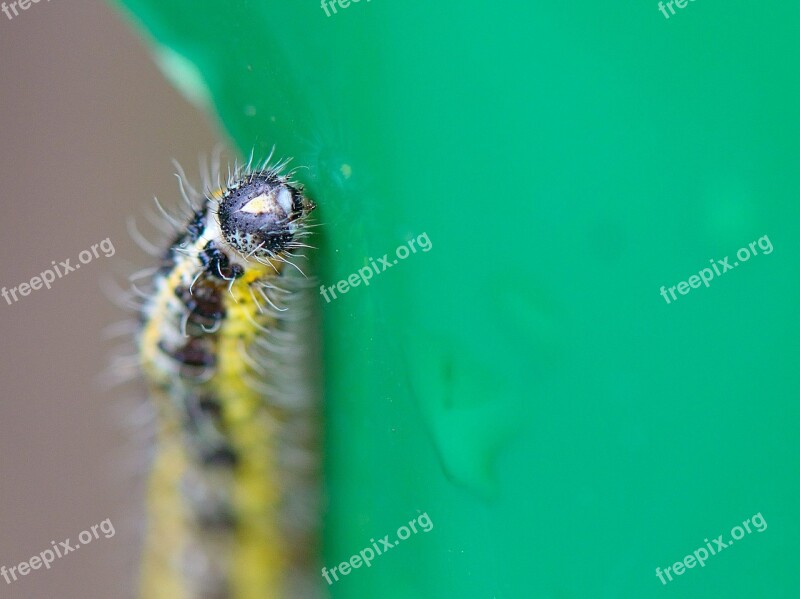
pixel 262 214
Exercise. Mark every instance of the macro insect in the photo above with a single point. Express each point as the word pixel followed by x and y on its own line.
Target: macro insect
pixel 226 344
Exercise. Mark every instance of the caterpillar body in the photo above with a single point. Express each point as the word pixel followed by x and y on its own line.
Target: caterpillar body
pixel 226 345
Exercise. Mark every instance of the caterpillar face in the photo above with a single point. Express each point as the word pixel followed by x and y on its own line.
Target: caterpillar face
pixel 258 217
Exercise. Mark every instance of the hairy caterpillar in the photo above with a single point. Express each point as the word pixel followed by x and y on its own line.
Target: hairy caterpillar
pixel 226 344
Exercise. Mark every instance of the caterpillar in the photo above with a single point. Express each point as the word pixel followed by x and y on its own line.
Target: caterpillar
pixel 226 345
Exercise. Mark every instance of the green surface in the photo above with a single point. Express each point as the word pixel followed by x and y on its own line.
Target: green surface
pixel 523 382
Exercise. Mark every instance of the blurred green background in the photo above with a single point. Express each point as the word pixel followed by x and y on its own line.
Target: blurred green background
pixel 523 382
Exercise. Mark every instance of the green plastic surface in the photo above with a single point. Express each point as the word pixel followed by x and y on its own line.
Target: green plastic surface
pixel 523 382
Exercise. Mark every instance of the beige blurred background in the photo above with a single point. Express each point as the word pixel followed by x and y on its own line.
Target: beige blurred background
pixel 87 130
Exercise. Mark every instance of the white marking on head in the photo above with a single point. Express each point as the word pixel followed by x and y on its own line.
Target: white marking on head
pixel 263 204
pixel 285 200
